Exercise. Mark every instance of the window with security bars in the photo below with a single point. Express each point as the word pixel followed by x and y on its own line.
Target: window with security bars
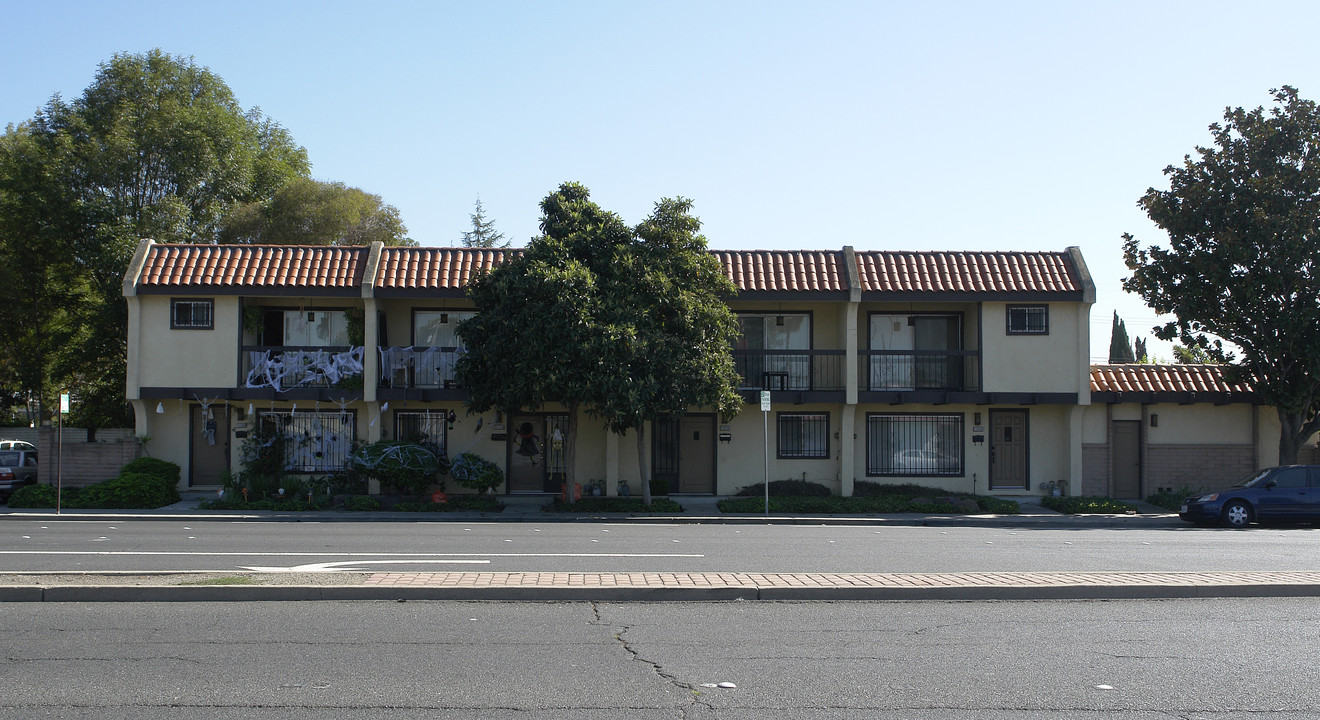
pixel 803 435
pixel 422 427
pixel 1028 320
pixel 914 445
pixel 192 314
pixel 314 442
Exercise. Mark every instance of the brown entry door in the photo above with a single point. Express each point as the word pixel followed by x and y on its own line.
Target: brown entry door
pixel 1125 458
pixel 536 464
pixel 1008 450
pixel 683 453
pixel 208 445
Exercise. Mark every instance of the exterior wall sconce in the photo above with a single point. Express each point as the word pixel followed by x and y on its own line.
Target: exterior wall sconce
pixel 450 418
pixel 1154 420
pixel 976 418
pixel 444 318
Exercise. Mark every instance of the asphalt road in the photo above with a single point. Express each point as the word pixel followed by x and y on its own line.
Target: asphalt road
pixel 82 545
pixel 1202 659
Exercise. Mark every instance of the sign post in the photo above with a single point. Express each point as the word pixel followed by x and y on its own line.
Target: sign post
pixel 765 424
pixel 59 450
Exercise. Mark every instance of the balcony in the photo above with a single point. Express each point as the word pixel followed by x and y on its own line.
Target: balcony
pixel 919 370
pixel 790 370
pixel 418 367
pixel 283 367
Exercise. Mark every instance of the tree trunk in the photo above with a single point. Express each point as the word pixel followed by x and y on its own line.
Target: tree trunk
pixel 641 464
pixel 570 452
pixel 1294 431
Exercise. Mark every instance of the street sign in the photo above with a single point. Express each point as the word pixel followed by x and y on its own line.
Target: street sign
pixel 765 401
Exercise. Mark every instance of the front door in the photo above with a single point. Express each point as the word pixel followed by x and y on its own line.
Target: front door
pixel 208 445
pixel 1008 450
pixel 1125 457
pixel 535 459
pixel 683 453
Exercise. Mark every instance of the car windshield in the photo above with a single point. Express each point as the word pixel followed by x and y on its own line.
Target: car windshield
pixel 1254 478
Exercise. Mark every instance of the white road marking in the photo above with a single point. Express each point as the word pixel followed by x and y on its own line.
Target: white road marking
pixel 344 554
pixel 343 566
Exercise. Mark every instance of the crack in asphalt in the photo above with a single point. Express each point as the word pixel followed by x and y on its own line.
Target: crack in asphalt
pixel 655 667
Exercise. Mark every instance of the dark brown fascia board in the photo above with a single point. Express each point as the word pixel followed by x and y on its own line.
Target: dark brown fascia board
pixel 882 296
pixel 789 296
pixel 446 293
pixel 354 291
pixel 1111 397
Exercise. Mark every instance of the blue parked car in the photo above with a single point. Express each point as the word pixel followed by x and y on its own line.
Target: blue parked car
pixel 1285 494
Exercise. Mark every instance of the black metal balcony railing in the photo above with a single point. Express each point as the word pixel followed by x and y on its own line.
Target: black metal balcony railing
pixel 284 367
pixel 800 370
pixel 418 367
pixel 953 370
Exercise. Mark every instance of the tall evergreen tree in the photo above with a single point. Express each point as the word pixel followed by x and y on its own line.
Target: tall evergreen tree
pixel 483 233
pixel 1120 348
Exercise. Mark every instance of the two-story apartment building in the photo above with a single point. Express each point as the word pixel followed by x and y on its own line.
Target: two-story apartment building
pixel 962 370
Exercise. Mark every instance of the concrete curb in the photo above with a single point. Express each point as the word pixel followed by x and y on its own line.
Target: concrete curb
pixel 1023 520
pixel 306 593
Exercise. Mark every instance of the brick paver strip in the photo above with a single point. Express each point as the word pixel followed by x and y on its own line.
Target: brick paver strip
pixel 839 580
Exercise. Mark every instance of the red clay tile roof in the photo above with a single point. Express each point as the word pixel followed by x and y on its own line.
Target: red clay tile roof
pixel 429 268
pixel 967 272
pixel 1162 379
pixel 784 270
pixel 253 266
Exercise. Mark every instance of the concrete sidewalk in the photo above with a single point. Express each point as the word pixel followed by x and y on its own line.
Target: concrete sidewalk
pixel 658 586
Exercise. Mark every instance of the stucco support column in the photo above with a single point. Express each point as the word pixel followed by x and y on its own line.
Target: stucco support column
pixel 1075 466
pixel 847 448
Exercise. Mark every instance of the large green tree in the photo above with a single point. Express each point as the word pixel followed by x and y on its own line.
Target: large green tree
pixel 1242 265
pixel 157 147
pixel 625 324
pixel 311 212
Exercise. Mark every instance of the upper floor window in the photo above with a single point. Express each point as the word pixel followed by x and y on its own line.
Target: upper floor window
pixel 1028 320
pixel 761 357
pixel 192 314
pixel 316 327
pixel 915 351
pixel 438 328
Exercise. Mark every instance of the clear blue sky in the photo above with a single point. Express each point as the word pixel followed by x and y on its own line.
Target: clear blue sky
pixel 907 126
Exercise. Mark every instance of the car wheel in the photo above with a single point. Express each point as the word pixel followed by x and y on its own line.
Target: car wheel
pixel 1237 514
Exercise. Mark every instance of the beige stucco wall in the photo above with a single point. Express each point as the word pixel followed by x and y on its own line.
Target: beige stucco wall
pixel 187 358
pixel 1035 363
pixel 1095 424
pixel 1200 423
pixel 1050 450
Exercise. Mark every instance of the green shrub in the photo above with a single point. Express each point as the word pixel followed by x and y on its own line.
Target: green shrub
pixel 1171 500
pixel 407 467
pixel 999 507
pixel 881 503
pixel 476 473
pixel 786 488
pixel 128 491
pixel 361 503
pixel 1087 505
pixel 163 469
pixel 869 488
pixel 35 496
pixel 615 504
